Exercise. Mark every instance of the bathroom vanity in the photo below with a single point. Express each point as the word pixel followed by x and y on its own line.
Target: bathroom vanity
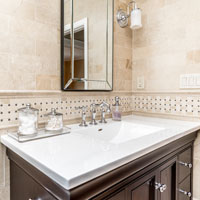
pixel 96 163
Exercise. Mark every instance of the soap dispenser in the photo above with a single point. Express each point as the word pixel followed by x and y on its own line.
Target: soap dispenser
pixel 116 114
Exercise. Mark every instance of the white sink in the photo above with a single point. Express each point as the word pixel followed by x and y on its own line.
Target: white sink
pixel 119 132
pixel 86 153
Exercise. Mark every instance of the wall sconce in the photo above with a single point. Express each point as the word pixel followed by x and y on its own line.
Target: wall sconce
pixel 136 17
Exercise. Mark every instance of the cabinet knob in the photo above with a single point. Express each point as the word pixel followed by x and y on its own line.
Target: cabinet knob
pixel 189 194
pixel 189 165
pixel 160 187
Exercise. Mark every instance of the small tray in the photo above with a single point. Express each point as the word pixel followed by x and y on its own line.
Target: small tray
pixel 42 133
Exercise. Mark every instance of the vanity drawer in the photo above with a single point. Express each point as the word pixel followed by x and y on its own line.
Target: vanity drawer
pixel 184 164
pixel 184 189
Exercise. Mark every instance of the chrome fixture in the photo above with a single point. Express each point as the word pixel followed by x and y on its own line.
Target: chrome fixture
pixel 105 107
pixel 93 110
pixel 83 114
pixel 160 187
pixel 189 194
pixel 189 165
pixel 135 16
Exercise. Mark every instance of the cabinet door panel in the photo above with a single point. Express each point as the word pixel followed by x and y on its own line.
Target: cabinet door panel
pixel 167 176
pixel 143 192
pixel 184 186
pixel 23 187
pixel 143 189
pixel 119 196
pixel 185 157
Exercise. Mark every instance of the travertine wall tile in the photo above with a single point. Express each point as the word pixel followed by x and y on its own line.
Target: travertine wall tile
pixel 21 46
pixel 168 43
pixel 30 41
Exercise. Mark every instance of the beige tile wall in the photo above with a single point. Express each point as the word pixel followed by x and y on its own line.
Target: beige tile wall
pixel 30 46
pixel 168 44
pixel 29 51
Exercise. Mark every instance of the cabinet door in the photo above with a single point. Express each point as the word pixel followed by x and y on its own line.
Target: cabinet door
pixel 118 196
pixel 184 164
pixel 184 189
pixel 143 189
pixel 167 177
pixel 23 187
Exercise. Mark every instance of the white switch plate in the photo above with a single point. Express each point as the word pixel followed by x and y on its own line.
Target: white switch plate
pixel 140 82
pixel 189 81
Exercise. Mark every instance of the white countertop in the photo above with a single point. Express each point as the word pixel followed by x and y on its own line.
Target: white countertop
pixel 87 153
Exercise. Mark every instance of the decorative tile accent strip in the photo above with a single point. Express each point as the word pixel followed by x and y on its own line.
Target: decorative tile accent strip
pixel 65 105
pixel 182 105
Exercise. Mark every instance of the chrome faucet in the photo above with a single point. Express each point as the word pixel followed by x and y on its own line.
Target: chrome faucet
pixel 83 109
pixel 93 113
pixel 105 107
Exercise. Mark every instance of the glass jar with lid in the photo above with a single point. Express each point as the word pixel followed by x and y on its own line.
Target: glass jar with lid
pixel 54 121
pixel 28 120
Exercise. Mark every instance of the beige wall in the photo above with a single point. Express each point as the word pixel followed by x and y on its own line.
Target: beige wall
pixel 29 50
pixel 168 44
pixel 30 46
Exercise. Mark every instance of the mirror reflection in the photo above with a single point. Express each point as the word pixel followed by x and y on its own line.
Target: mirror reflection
pixel 87 45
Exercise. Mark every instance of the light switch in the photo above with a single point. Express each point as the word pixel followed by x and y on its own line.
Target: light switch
pixel 198 81
pixel 140 82
pixel 189 81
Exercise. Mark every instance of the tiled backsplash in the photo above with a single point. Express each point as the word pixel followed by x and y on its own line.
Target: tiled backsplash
pixel 65 104
pixel 166 104
pixel 187 105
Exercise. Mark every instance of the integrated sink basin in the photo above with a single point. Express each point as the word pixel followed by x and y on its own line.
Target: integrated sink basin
pixel 89 152
pixel 120 132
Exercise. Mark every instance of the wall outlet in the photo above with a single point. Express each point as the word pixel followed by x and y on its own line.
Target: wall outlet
pixel 140 82
pixel 189 81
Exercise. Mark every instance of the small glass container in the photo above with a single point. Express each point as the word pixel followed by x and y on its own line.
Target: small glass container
pixel 28 120
pixel 54 121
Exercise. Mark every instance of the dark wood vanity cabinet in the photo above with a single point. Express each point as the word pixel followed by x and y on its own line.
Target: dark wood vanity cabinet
pixel 160 184
pixel 164 174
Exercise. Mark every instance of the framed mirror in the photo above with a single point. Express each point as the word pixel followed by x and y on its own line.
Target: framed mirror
pixel 87 45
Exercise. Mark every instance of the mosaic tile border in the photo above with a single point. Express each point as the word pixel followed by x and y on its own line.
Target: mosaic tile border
pixel 63 104
pixel 175 104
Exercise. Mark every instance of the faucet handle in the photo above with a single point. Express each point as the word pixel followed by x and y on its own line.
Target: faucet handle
pixel 83 109
pixel 93 110
pixel 105 107
pixel 93 107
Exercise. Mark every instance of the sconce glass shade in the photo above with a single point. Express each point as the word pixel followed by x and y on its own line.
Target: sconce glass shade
pixel 136 19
